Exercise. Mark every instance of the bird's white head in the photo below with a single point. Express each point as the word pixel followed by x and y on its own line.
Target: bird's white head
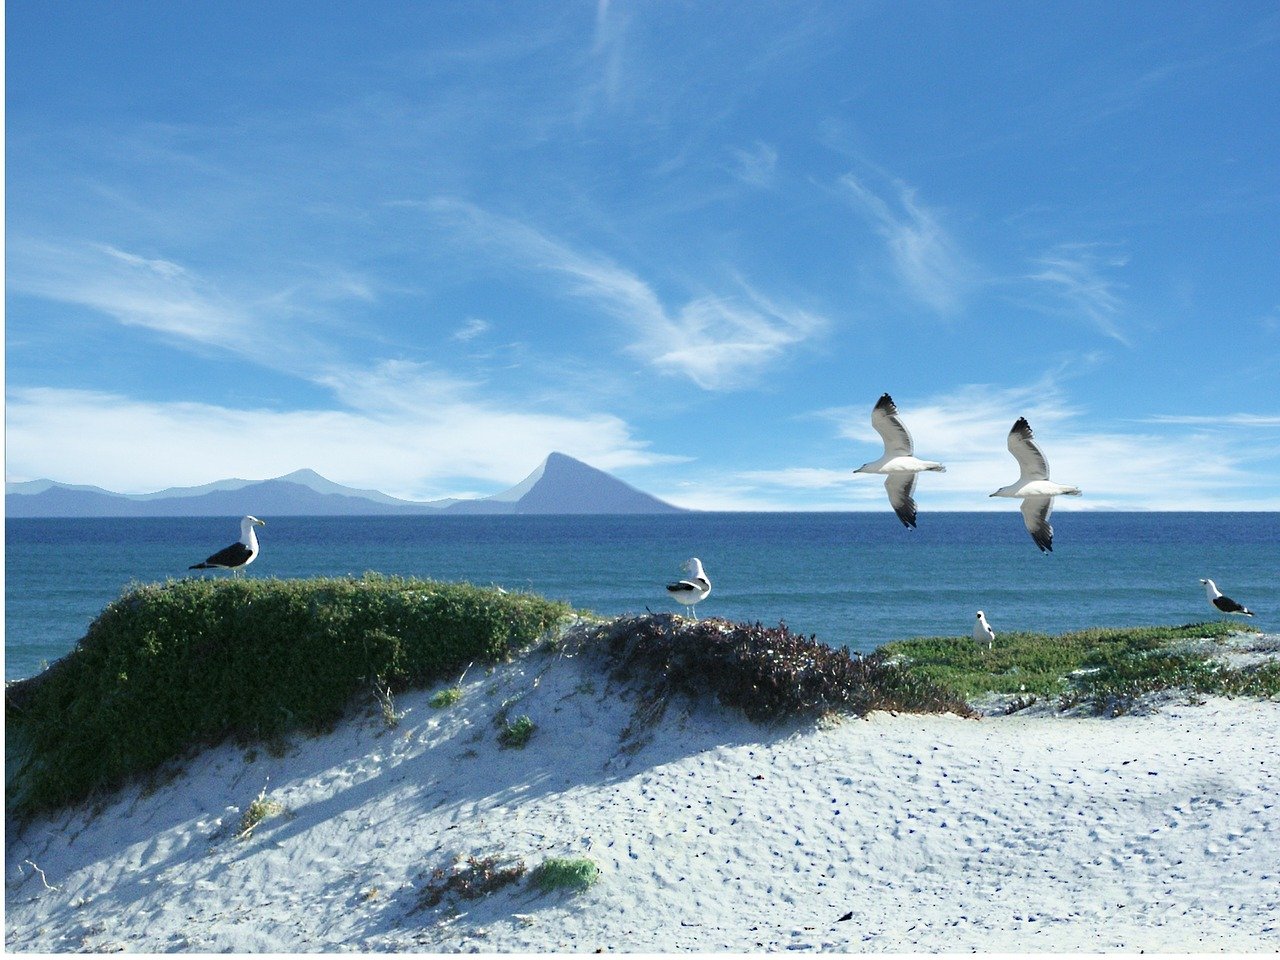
pixel 1205 582
pixel 693 567
pixel 980 615
pixel 254 522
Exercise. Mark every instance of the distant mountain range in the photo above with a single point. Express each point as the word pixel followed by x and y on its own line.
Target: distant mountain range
pixel 560 484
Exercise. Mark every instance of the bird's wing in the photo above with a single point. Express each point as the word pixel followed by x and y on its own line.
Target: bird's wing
pixel 233 556
pixel 1035 513
pixel 683 586
pixel 1227 605
pixel 896 437
pixel 900 487
pixel 1027 452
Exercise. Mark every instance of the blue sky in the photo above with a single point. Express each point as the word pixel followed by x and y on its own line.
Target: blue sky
pixel 418 246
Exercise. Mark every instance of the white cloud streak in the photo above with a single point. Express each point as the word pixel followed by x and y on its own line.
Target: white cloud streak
pixel 415 443
pixel 720 342
pixel 1073 275
pixel 922 252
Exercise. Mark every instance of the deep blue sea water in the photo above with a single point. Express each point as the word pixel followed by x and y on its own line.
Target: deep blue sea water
pixel 856 579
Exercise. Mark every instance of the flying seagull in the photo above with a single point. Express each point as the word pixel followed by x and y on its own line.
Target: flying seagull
pixel 1033 486
pixel 239 554
pixel 694 589
pixel 1225 604
pixel 982 632
pixel 899 460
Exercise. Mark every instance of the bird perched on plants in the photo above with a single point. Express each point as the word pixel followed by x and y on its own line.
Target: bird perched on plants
pixel 982 632
pixel 899 462
pixel 694 589
pixel 1221 603
pixel 1033 485
pixel 240 554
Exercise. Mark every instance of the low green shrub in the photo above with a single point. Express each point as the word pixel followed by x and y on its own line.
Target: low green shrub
pixel 446 697
pixel 1095 666
pixel 563 873
pixel 169 667
pixel 516 733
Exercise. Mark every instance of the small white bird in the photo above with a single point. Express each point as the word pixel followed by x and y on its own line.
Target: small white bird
pixel 239 555
pixel 1033 485
pixel 694 589
pixel 1224 604
pixel 982 632
pixel 899 460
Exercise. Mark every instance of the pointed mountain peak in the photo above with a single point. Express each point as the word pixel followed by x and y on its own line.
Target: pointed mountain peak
pixel 564 484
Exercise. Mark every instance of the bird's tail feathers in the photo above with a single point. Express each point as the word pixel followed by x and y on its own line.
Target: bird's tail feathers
pixel 199 566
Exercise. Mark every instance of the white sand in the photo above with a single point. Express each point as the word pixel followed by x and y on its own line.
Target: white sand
pixel 1155 832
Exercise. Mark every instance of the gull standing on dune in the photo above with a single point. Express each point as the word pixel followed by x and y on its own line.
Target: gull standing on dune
pixel 899 460
pixel 694 589
pixel 982 632
pixel 1033 485
pixel 239 555
pixel 1224 604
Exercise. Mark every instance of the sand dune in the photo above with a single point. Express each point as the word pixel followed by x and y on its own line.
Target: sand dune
pixel 891 834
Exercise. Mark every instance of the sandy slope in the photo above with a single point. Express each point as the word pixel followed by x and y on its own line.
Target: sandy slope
pixel 1158 832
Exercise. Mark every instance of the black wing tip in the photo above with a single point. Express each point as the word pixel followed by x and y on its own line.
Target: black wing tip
pixel 886 403
pixel 1021 426
pixel 198 566
pixel 1044 541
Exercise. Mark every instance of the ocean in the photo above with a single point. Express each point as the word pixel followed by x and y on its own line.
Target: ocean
pixel 852 579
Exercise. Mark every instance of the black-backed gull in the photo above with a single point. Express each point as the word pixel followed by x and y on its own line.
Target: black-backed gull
pixel 1224 604
pixel 899 461
pixel 240 554
pixel 1033 485
pixel 982 632
pixel 694 589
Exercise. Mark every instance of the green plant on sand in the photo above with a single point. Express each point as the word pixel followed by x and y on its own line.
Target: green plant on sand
pixel 564 873
pixel 516 733
pixel 170 667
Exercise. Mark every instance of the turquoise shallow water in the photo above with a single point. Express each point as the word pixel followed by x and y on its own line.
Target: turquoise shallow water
pixel 856 579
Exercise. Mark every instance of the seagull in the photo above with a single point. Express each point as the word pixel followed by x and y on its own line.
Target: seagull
pixel 1225 604
pixel 899 460
pixel 982 632
pixel 1033 486
pixel 239 554
pixel 694 589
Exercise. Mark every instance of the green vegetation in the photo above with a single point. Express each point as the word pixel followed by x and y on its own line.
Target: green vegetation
pixel 562 873
pixel 262 808
pixel 446 697
pixel 516 733
pixel 170 667
pixel 1105 668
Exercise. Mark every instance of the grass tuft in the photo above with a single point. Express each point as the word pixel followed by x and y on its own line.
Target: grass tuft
pixel 563 873
pixel 515 733
pixel 170 667
pixel 446 697
pixel 262 808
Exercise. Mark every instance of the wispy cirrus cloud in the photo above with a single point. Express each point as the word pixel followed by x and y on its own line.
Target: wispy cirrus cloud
pixel 188 309
pixel 756 166
pixel 925 257
pixel 718 341
pixel 1073 278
